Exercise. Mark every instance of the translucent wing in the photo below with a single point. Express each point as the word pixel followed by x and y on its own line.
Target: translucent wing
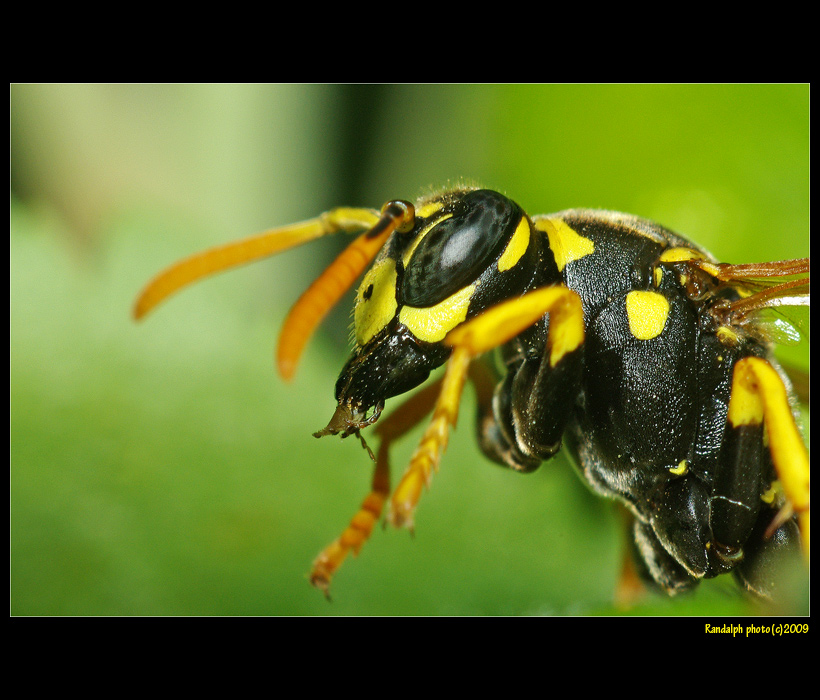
pixel 769 293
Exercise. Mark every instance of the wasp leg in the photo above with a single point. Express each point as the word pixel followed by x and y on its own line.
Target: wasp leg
pixel 658 566
pixel 496 431
pixel 404 418
pixel 531 407
pixel 768 556
pixel 433 443
pixel 759 398
pixel 485 332
pixel 742 524
pixel 495 440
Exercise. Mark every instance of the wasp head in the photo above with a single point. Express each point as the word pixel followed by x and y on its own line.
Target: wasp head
pixel 428 278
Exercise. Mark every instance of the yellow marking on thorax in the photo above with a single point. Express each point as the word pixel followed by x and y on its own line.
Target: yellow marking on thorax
pixel 647 313
pixel 566 244
pixel 657 276
pixel 516 247
pixel 727 336
pixel 680 254
pixel 432 323
pixel 710 268
pixel 681 469
pixel 771 493
pixel 375 308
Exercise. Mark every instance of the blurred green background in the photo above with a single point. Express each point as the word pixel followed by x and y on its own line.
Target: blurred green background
pixel 164 469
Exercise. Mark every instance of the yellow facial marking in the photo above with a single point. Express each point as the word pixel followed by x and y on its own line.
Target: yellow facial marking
pixel 375 300
pixel 647 313
pixel 516 247
pixel 434 322
pixel 566 244
pixel 680 254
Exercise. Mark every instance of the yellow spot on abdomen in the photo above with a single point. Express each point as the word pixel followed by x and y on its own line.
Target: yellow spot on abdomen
pixel 745 402
pixel 771 493
pixel 647 313
pixel 566 244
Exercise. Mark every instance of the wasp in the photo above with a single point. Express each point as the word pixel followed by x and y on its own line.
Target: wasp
pixel 632 347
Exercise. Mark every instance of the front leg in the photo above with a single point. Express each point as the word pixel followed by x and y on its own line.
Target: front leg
pixel 525 421
pixel 560 366
pixel 494 419
pixel 483 333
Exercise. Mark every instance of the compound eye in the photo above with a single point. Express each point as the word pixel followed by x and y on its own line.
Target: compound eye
pixel 457 250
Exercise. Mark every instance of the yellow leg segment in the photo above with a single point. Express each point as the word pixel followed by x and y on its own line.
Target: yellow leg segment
pixel 402 420
pixel 427 455
pixel 758 391
pixel 491 329
pixel 504 321
pixel 471 339
pixel 357 532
